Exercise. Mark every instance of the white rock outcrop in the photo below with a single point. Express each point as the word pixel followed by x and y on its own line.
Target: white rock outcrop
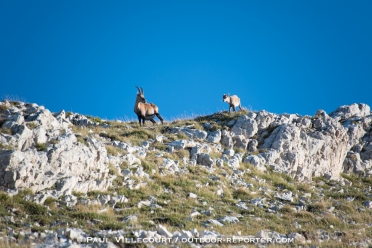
pixel 40 151
pixel 44 152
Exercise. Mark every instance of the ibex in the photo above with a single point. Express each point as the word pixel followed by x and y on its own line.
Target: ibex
pixel 233 101
pixel 145 111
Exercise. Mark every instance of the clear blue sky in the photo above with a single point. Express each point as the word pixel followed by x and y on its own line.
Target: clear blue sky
pixel 281 56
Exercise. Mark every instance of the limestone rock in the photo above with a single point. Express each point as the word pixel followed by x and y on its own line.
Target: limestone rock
pixel 182 144
pixel 367 204
pixel 205 159
pixel 226 139
pixel 212 222
pixel 245 126
pixel 66 163
pixel 131 159
pixel 234 161
pixel 264 119
pixel 298 238
pixel 252 145
pixel 240 141
pixel 191 133
pixel 81 120
pixel 229 219
pixel 348 111
pixel 162 230
pixel 304 154
pixel 257 161
pixel 214 137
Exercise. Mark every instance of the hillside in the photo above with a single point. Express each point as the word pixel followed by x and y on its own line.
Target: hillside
pixel 70 180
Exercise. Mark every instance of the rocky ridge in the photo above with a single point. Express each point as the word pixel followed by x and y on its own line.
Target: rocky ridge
pixel 43 152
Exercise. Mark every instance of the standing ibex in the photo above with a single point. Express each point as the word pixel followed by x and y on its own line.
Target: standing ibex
pixel 145 111
pixel 233 101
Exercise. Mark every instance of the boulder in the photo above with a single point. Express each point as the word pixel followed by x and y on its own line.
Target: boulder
pixel 214 137
pixel 257 161
pixel 252 145
pixel 205 159
pixel 226 139
pixel 245 126
pixel 182 144
pixel 352 110
pixel 191 133
pixel 240 141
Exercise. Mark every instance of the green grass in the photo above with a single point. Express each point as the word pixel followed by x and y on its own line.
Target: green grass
pixel 3 108
pixel 113 170
pixel 54 141
pixel 6 147
pixel 31 125
pixel 139 134
pixel 95 119
pixel 159 146
pixel 82 140
pixel 281 181
pixel 41 146
pixel 5 130
pixel 242 194
pixel 113 150
pixel 112 135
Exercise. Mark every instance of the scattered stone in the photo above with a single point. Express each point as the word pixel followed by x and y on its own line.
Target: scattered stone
pixel 192 195
pixel 163 231
pixel 130 219
pixel 229 219
pixel 182 144
pixel 368 204
pixel 229 152
pixel 205 159
pixel 143 203
pixel 212 222
pixel 285 196
pixel 298 238
pixel 191 133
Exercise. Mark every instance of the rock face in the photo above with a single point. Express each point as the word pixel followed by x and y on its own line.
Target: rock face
pixel 305 147
pixel 353 110
pixel 45 152
pixel 40 151
pixel 306 154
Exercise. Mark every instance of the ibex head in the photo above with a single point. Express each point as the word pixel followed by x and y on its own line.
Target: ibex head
pixel 226 97
pixel 140 95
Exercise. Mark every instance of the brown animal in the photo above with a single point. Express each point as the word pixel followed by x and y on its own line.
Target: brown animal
pixel 145 111
pixel 233 101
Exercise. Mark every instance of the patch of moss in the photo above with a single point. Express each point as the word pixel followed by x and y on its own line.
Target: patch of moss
pixel 31 125
pixel 41 146
pixel 5 130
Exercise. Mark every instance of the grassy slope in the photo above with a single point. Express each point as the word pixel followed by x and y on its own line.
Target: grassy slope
pixel 171 192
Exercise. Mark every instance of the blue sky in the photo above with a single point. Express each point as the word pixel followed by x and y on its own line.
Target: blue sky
pixel 281 56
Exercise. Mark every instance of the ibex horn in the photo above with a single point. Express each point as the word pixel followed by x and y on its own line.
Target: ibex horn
pixel 139 90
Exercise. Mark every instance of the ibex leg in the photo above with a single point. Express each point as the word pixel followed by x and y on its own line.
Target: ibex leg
pixel 160 118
